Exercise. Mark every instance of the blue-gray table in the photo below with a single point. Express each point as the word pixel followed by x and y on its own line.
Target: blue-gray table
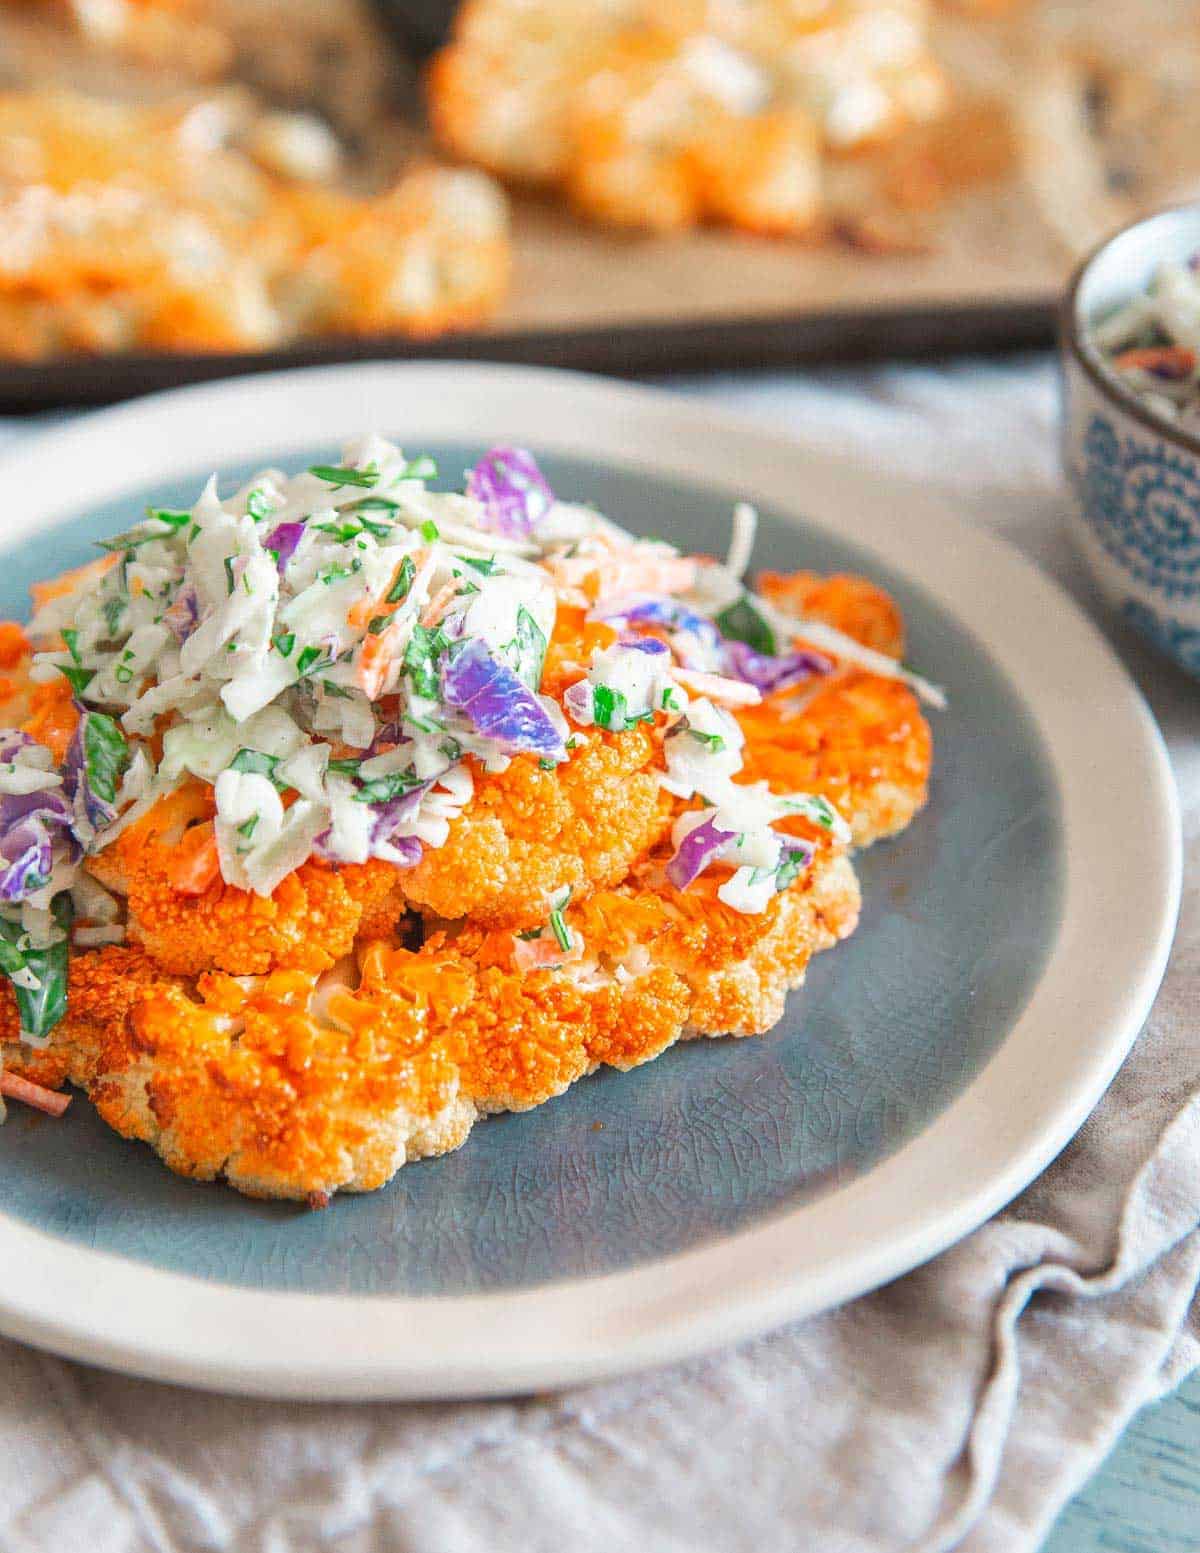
pixel 1146 1497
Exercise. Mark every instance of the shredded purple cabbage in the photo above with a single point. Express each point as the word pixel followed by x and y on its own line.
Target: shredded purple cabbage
pixel 769 673
pixel 696 851
pixel 647 644
pixel 28 822
pixel 498 705
pixel 182 615
pixel 513 490
pixel 283 539
pixel 12 741
pixel 798 846
pixel 660 610
pixel 409 848
pixel 389 815
pixel 577 699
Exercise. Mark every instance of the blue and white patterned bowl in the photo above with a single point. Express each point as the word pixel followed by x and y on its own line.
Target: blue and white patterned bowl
pixel 1135 475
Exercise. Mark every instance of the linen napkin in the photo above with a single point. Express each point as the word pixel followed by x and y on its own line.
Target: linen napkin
pixel 958 1407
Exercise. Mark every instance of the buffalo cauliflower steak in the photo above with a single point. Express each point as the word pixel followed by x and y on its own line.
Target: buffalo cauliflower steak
pixel 338 811
pixel 658 114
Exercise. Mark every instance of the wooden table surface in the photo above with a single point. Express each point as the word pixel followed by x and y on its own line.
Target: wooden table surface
pixel 1146 1497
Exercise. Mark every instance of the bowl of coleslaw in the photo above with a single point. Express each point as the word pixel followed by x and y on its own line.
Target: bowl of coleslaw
pixel 1130 341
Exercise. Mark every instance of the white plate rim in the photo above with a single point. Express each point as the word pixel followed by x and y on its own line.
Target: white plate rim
pixel 1121 890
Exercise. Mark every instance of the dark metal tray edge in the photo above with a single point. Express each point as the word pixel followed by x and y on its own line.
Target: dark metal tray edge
pixel 635 350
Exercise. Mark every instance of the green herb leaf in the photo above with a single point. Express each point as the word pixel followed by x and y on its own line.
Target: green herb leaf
pixel 258 504
pixel 742 622
pixel 229 584
pixel 339 691
pixel 429 531
pixel 255 762
pixel 372 504
pixel 793 864
pixel 105 754
pixel 71 637
pixel 421 468
pixel 113 610
pixel 420 659
pixel 310 658
pixel 284 643
pixel 385 789
pixel 345 767
pixel 337 476
pixel 609 708
pixel 713 741
pixel 78 679
pixel 398 592
pixel 560 930
pixel 169 516
pixel 130 538
pixel 527 650
pixel 484 568
pixel 43 1007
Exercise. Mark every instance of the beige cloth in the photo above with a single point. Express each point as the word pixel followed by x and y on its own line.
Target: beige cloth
pixel 958 1407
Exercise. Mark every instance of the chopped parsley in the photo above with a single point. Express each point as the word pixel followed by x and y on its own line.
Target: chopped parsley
pixel 388 788
pixel 258 504
pixel 398 591
pixel 338 476
pixel 78 679
pixel 743 622
pixel 256 763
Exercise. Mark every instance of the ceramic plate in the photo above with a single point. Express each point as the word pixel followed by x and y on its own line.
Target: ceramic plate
pixel 1011 943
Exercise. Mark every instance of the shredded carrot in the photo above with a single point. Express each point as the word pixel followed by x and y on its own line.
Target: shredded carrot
pixel 57 587
pixel 53 718
pixel 41 1099
pixel 439 603
pixel 195 862
pixel 1175 361
pixel 363 610
pixel 375 660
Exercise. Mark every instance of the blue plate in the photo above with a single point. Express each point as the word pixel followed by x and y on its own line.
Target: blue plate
pixel 714 1135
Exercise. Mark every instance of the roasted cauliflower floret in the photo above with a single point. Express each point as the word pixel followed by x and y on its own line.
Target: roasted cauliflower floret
pixel 858 738
pixel 529 834
pixel 311 920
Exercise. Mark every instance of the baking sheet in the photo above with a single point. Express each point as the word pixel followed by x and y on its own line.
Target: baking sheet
pixel 1100 132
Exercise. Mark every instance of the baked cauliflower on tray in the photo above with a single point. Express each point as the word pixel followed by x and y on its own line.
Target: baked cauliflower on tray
pixel 337 812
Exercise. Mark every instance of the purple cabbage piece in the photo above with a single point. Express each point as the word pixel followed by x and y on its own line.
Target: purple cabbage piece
pixel 389 815
pixel 797 845
pixel 647 644
pixel 409 848
pixel 12 741
pixel 498 705
pixel 182 615
pixel 659 610
pixel 513 490
pixel 578 701
pixel 770 673
pixel 28 822
pixel 283 539
pixel 696 851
